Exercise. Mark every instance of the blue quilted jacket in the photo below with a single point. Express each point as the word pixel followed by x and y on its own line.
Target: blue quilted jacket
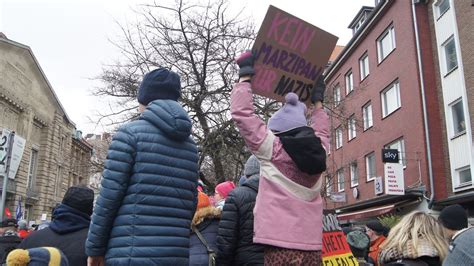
pixel 148 195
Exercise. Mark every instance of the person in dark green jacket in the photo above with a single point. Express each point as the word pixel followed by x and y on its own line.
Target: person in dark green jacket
pixel 148 191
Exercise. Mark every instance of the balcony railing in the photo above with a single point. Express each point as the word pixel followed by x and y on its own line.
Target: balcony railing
pixel 32 193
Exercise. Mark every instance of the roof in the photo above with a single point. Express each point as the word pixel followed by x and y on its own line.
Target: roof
pixel 410 194
pixel 337 50
pixel 359 14
pixel 82 142
pixel 359 36
pixel 4 39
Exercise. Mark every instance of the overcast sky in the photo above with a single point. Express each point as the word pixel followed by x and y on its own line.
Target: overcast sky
pixel 70 38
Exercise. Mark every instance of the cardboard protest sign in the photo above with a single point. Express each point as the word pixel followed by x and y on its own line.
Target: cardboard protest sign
pixel 290 55
pixel 335 251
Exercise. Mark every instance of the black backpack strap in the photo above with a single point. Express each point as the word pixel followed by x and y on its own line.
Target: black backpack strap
pixel 202 239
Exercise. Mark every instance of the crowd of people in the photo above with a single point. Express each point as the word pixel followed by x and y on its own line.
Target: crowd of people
pixel 153 210
pixel 417 239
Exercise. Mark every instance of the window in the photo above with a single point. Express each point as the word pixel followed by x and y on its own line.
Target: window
pixel 442 6
pixel 359 24
pixel 399 145
pixel 31 182
pixel 337 96
pixel 391 99
pixel 459 124
pixel 354 175
pixel 58 187
pixel 351 127
pixel 450 54
pixel 329 185
pixel 370 166
pixel 367 116
pixel 61 147
pixel 340 180
pixel 364 66
pixel 349 82
pixel 386 43
pixel 464 176
pixel 27 213
pixel 338 138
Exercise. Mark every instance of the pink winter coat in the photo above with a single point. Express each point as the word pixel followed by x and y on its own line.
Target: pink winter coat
pixel 288 210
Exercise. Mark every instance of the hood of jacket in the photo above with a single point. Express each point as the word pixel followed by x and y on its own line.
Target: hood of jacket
pixel 305 149
pixel 252 182
pixel 68 220
pixel 170 117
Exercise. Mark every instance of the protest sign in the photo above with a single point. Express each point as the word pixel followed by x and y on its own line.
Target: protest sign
pixel 335 251
pixel 290 55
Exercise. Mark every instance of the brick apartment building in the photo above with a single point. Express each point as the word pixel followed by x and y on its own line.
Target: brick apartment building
pixel 382 94
pixel 452 34
pixel 55 156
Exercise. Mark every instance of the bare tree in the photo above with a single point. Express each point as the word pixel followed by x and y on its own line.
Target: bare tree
pixel 199 42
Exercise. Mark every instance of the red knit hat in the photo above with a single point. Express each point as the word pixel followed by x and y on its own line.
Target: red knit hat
pixel 203 200
pixel 225 188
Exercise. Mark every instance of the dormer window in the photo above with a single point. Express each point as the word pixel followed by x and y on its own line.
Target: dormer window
pixel 359 24
pixel 360 18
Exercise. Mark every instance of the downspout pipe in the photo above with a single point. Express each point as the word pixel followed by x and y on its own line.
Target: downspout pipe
pixel 423 100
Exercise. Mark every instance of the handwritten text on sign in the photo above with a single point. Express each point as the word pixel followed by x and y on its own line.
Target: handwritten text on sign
pixel 291 54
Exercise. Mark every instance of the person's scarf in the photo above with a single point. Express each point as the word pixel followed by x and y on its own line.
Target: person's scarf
pixel 423 248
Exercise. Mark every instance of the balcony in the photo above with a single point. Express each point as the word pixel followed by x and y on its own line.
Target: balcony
pixel 32 195
pixel 11 185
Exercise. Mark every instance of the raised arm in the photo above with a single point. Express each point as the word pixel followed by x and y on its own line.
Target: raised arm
pixel 319 118
pixel 252 129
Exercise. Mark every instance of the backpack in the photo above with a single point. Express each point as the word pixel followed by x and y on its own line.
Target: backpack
pixel 211 253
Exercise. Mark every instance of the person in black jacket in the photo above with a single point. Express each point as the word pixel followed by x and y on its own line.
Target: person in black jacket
pixel 235 236
pixel 68 230
pixel 9 238
pixel 206 221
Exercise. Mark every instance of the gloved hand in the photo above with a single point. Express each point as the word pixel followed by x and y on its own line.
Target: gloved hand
pixel 317 94
pixel 245 62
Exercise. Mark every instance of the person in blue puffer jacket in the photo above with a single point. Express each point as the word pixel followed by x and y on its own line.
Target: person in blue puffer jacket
pixel 148 191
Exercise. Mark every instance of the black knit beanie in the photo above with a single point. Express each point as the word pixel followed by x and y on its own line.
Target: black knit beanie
pixel 376 226
pixel 453 217
pixel 80 198
pixel 160 83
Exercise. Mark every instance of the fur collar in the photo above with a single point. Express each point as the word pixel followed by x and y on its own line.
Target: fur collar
pixel 205 213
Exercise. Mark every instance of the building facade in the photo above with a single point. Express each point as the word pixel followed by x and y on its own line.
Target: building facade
pixel 453 42
pixel 29 106
pixel 382 94
pixel 100 144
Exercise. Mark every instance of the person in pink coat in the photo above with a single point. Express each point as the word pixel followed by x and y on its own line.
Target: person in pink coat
pixel 289 209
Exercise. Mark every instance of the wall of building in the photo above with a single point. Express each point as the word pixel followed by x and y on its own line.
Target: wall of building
pixel 465 24
pixel 446 176
pixel 453 86
pixel 406 122
pixel 32 110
